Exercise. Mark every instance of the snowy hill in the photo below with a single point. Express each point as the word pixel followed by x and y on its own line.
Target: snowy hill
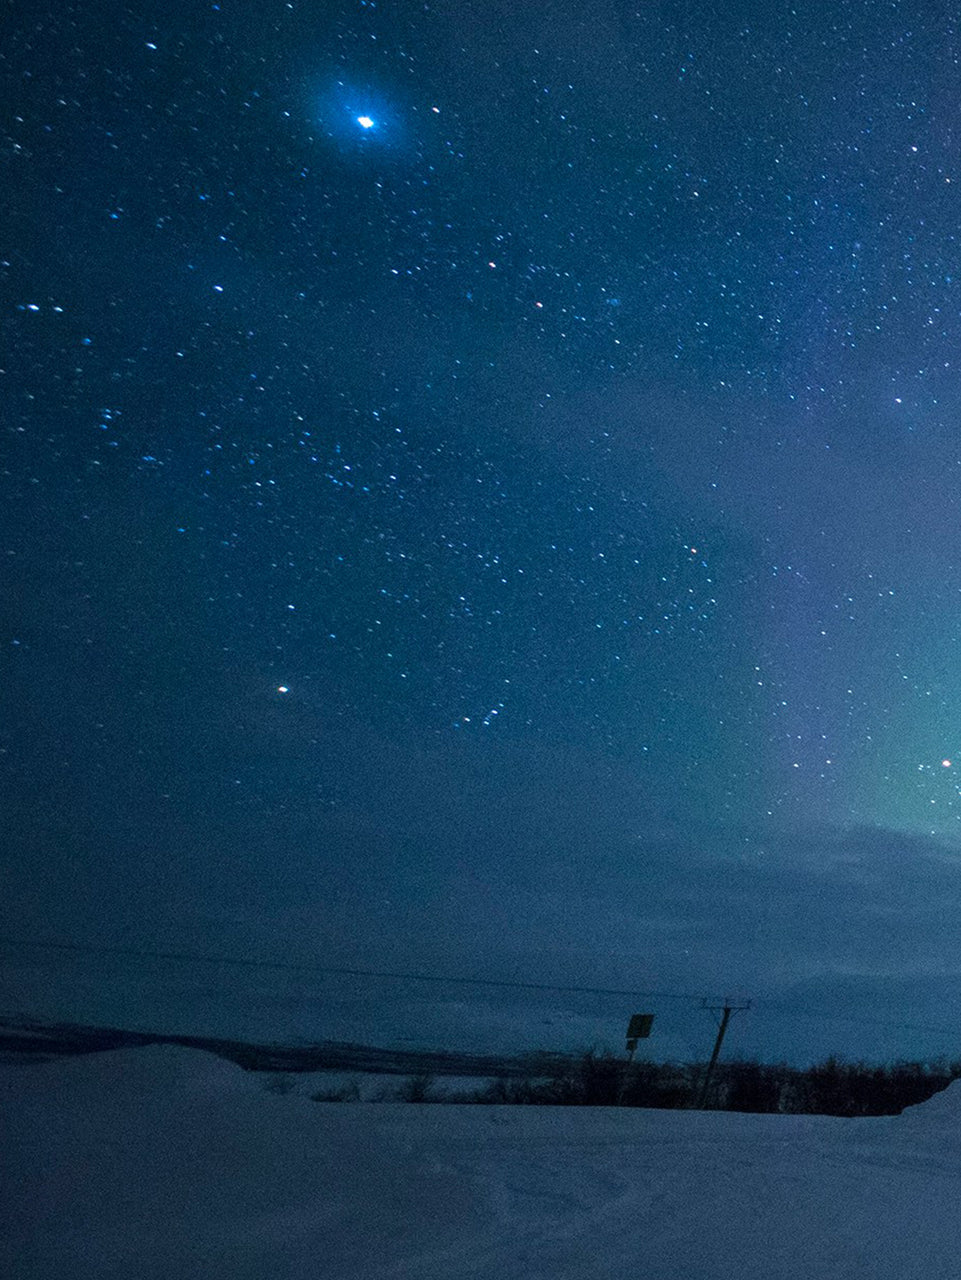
pixel 167 1162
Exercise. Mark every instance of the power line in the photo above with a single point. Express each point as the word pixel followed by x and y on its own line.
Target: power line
pixel 772 1007
pixel 762 1006
pixel 130 953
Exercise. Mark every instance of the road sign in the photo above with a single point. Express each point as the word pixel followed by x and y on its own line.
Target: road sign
pixel 639 1027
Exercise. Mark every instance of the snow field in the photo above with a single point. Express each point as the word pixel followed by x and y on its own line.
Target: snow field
pixel 167 1162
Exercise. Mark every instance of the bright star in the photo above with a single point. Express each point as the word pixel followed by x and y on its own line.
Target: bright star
pixel 365 122
pixel 282 688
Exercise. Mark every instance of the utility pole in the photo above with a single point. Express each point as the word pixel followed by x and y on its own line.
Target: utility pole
pixel 725 1010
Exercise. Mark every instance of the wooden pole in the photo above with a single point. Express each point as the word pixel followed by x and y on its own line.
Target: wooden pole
pixel 725 1010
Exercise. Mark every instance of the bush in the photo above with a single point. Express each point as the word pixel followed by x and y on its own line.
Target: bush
pixel 419 1088
pixel 599 1079
pixel 751 1086
pixel 506 1091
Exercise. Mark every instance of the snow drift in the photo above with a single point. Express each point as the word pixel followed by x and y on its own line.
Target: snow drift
pixel 166 1162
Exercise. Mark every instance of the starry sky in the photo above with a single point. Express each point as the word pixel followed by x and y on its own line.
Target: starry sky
pixel 480 495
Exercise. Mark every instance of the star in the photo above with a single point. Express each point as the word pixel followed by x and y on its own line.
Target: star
pixel 365 122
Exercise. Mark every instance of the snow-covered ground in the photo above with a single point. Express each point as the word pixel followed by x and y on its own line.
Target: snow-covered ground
pixel 166 1162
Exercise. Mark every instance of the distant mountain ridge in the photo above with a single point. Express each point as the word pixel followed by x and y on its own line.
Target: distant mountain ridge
pixel 43 1041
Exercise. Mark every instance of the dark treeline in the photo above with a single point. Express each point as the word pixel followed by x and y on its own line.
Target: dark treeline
pixel 833 1087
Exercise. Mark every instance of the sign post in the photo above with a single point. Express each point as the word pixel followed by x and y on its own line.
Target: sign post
pixel 639 1028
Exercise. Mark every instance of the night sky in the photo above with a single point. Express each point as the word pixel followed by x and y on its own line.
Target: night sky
pixel 480 496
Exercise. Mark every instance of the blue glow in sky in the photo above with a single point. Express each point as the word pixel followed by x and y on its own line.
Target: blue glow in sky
pixel 577 438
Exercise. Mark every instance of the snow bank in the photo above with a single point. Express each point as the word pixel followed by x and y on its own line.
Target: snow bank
pixel 166 1162
pixel 940 1116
